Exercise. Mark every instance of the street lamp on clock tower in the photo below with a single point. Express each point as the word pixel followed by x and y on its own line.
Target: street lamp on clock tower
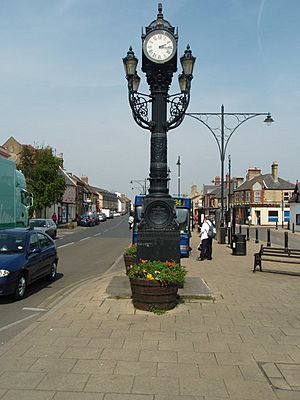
pixel 158 236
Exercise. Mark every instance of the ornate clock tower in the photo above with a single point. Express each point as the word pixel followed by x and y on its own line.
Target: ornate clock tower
pixel 158 235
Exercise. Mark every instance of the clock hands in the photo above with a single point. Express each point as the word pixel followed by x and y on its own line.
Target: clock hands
pixel 162 46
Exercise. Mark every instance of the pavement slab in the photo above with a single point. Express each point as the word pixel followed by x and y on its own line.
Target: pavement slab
pixel 240 342
pixel 28 395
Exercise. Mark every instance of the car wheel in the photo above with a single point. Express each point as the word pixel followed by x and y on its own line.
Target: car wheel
pixel 55 234
pixel 52 276
pixel 20 287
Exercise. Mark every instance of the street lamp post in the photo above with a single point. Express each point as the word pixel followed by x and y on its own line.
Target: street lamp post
pixel 178 165
pixel 142 183
pixel 158 231
pixel 223 132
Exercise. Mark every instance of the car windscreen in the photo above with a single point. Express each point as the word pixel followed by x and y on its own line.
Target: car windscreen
pixel 12 242
pixel 40 223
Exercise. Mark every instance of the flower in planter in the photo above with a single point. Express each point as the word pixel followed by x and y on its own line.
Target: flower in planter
pixel 166 272
pixel 131 251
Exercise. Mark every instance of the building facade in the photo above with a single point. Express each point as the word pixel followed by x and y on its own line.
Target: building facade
pixel 263 199
pixel 295 209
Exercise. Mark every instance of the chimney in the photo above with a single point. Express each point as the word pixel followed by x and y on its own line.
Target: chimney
pixel 252 172
pixel 275 171
pixel 85 179
pixel 217 181
pixel 227 181
pixel 193 190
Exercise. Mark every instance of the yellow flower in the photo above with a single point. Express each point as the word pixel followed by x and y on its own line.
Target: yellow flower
pixel 150 277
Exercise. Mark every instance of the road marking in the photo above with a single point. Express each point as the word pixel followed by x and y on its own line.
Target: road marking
pixel 98 234
pixel 65 245
pixel 34 309
pixel 81 240
pixel 17 322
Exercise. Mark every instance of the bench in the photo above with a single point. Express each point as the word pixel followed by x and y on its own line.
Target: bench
pixel 276 254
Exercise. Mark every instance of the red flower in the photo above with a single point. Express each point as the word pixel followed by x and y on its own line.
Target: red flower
pixel 170 263
pixel 144 261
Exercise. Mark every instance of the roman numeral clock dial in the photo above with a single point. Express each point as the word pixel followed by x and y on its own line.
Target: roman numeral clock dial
pixel 159 46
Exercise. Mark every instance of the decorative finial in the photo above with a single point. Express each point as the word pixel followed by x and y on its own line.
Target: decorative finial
pixel 160 8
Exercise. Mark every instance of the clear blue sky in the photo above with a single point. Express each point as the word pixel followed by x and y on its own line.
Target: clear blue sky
pixel 62 84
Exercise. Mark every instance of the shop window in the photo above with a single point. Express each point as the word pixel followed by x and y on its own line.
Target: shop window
pixel 273 216
pixel 297 219
pixel 286 216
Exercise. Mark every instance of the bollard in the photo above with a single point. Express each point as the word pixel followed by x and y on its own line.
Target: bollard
pixel 276 227
pixel 256 236
pixel 293 227
pixel 240 229
pixel 229 235
pixel 268 238
pixel 286 240
pixel 248 234
pixel 288 226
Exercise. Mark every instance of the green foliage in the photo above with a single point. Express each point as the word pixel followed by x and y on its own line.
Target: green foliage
pixel 166 272
pixel 131 251
pixel 41 168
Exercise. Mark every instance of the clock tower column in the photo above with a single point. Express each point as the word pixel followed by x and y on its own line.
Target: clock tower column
pixel 158 233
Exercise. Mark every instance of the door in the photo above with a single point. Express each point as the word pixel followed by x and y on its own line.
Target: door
pixel 47 254
pixel 34 257
pixel 257 215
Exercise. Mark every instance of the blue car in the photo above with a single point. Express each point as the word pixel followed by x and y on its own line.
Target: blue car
pixel 25 256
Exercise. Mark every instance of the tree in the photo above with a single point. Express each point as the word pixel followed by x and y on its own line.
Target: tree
pixel 41 168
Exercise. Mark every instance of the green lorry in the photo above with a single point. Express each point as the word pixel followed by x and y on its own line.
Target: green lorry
pixel 14 198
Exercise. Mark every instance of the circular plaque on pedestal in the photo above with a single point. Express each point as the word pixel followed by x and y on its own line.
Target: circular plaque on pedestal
pixel 159 214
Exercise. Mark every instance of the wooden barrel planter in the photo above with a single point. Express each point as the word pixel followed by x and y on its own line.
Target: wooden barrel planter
pixel 129 260
pixel 150 294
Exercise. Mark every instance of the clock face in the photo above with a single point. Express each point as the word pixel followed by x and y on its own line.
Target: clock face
pixel 159 46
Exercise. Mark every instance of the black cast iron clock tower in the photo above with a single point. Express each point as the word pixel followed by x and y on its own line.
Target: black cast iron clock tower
pixel 158 235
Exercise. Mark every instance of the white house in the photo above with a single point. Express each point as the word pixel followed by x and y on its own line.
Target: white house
pixel 295 209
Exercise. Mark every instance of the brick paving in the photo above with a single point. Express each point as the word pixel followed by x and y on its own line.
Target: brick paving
pixel 242 344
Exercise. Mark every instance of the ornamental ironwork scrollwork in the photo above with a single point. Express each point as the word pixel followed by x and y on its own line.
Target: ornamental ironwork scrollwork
pixel 178 106
pixel 140 111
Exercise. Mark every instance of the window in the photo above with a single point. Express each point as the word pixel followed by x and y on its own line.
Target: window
pixel 248 197
pixel 256 196
pixel 273 216
pixel 297 219
pixel 286 196
pixel 44 241
pixel 34 242
pixel 287 216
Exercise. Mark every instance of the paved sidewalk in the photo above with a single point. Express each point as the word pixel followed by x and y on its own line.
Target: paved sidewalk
pixel 244 344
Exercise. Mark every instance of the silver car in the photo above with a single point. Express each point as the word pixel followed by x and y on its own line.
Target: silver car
pixel 44 225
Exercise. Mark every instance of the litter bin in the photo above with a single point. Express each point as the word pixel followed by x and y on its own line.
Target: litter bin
pixel 238 244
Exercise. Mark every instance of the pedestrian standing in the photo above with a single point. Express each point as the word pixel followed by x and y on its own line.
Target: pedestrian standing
pixel 130 221
pixel 54 217
pixel 206 240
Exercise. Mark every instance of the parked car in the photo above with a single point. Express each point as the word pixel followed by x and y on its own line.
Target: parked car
pixel 101 217
pixel 44 225
pixel 25 256
pixel 88 219
pixel 116 214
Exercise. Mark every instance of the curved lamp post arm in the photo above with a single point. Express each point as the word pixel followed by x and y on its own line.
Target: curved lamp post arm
pixel 223 134
pixel 198 116
pixel 240 121
pixel 240 117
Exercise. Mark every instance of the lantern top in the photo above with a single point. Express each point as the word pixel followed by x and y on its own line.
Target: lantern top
pixel 160 22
